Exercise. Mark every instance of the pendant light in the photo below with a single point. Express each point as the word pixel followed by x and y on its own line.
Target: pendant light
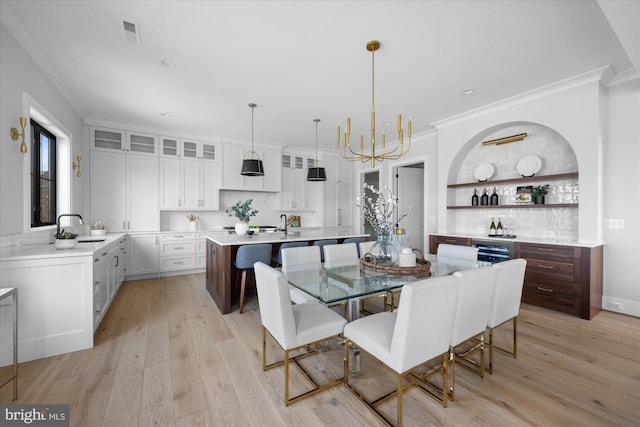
pixel 316 173
pixel 251 164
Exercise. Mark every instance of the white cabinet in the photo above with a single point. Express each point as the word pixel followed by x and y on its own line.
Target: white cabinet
pixel 55 314
pixel 100 289
pixel 124 191
pixel 338 169
pixel 177 251
pixel 107 139
pixel 143 254
pixel 338 204
pixel 187 148
pixel 232 156
pixel 187 184
pixel 201 250
pixel 297 194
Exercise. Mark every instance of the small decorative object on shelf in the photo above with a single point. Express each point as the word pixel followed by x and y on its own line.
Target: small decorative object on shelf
pixel 380 210
pixel 193 222
pixel 523 194
pixel 484 200
pixel 494 198
pixel 242 211
pixel 98 229
pixel 538 193
pixel 474 198
pixel 65 240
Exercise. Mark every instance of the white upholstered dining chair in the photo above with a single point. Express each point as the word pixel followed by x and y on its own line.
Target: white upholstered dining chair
pixel 457 251
pixel 506 303
pixel 341 254
pixel 470 319
pixel 300 257
pixel 293 327
pixel 404 340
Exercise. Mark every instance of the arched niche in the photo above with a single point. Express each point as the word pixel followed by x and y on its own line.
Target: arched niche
pixel 557 156
pixel 553 149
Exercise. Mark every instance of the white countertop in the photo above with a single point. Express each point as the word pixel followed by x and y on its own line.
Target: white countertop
pixel 521 240
pixel 225 239
pixel 45 250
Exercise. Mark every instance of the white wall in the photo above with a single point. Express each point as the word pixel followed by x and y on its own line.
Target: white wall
pixel 621 158
pixel 19 74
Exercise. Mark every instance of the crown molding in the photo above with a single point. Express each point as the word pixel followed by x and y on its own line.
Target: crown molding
pixel 604 74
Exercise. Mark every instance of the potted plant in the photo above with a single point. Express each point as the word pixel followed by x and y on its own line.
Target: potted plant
pixel 538 193
pixel 65 240
pixel 242 211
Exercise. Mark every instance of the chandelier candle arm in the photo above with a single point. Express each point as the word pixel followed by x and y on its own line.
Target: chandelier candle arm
pixel 398 150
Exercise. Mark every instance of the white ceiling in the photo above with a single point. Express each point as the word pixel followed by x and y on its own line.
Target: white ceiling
pixel 306 59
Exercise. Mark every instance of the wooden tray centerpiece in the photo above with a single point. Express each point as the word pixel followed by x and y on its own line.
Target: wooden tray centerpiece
pixel 422 265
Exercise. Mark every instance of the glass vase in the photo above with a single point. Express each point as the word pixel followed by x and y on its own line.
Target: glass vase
pixel 384 251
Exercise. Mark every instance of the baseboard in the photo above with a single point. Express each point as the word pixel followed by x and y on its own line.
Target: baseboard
pixel 619 305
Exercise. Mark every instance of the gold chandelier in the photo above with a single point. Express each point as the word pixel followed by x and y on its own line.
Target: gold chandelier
pixel 396 151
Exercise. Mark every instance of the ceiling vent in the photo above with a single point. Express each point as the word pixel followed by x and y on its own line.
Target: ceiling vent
pixel 131 32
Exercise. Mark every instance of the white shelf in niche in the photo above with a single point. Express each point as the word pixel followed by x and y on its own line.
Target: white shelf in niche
pixel 558 176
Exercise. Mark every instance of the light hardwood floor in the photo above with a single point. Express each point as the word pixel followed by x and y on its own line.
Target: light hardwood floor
pixel 164 355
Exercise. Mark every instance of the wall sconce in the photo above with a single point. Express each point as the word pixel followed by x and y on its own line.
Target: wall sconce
pixel 506 139
pixel 15 134
pixel 77 166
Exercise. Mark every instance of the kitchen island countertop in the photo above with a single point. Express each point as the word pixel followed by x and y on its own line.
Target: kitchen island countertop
pixel 232 239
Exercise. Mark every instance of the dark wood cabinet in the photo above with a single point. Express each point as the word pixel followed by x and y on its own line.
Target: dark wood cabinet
pixel 435 240
pixel 563 278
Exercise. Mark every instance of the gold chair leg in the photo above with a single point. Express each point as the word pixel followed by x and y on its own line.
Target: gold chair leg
pixel 452 368
pixel 492 346
pixel 400 387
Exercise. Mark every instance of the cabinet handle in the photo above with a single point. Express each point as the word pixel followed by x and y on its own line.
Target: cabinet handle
pixel 178 247
pixel 104 253
pixel 546 249
pixel 451 240
pixel 179 262
pixel 178 237
pixel 129 225
pixel 97 313
pixel 96 260
pixel 156 240
pixel 540 288
pixel 548 267
pixel 117 258
pixel 124 225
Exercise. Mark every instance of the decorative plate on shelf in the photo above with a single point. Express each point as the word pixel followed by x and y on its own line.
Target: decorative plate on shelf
pixel 483 172
pixel 528 166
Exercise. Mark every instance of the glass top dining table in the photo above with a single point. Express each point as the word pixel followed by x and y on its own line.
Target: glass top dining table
pixel 351 282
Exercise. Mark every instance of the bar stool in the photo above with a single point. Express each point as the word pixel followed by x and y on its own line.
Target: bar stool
pixel 277 259
pixel 322 243
pixel 246 257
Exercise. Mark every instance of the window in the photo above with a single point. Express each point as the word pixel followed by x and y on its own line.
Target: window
pixel 43 176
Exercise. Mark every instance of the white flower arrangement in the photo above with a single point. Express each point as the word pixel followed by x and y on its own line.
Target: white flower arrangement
pixel 381 210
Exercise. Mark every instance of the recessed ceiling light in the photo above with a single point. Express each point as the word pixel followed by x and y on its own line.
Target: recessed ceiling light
pixel 468 91
pixel 168 64
pixel 166 115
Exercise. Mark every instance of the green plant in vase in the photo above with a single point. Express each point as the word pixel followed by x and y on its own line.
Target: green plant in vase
pixel 538 193
pixel 243 212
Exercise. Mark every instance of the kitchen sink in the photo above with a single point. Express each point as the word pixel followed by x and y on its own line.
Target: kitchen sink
pixel 90 240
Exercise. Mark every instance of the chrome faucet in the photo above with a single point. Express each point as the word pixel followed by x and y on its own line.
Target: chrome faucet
pixel 79 219
pixel 285 224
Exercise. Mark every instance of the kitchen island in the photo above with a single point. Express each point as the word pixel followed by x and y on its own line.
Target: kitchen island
pixel 221 252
